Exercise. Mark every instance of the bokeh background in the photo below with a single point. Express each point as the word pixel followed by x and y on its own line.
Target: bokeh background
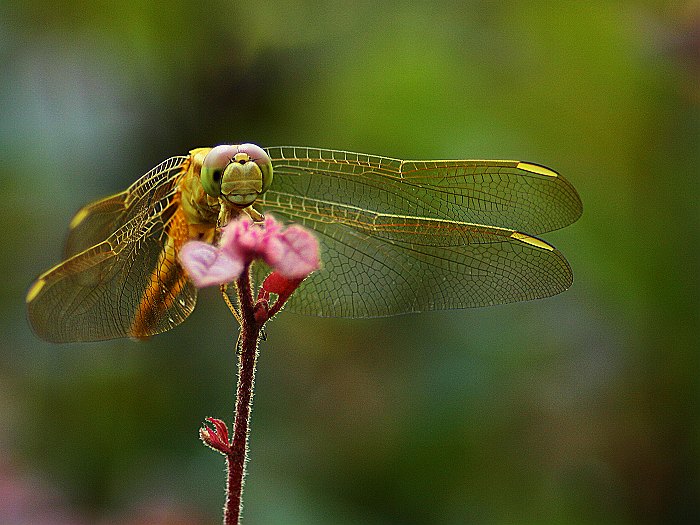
pixel 582 408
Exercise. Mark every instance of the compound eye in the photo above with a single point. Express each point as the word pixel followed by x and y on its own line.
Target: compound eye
pixel 213 168
pixel 262 159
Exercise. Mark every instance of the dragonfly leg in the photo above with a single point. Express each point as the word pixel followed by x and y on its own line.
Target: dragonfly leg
pixel 230 305
pixel 254 214
pixel 232 308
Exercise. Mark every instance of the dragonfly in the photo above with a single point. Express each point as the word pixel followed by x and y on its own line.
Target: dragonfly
pixel 396 236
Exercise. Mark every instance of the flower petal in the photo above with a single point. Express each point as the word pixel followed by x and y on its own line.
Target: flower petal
pixel 241 238
pixel 207 265
pixel 295 254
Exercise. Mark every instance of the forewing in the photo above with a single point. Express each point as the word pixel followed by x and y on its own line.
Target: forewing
pixel 98 293
pixel 502 193
pixel 94 223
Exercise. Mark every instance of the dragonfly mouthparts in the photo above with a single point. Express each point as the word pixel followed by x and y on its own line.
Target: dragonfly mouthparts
pixel 240 199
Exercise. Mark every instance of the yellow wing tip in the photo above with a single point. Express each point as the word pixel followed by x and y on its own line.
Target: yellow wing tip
pixel 533 241
pixel 78 218
pixel 536 168
pixel 34 290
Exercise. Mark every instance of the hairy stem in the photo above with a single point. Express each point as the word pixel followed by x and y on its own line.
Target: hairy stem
pixel 236 459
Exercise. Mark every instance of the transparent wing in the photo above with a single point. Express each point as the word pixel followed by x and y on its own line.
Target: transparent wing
pixel 94 223
pixel 377 264
pixel 405 236
pixel 507 194
pixel 123 278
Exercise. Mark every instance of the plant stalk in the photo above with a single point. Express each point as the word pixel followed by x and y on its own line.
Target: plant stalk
pixel 236 459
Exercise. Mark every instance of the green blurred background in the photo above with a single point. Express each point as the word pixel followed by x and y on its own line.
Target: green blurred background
pixel 582 408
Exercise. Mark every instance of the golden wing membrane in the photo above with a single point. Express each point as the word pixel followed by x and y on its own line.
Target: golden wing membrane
pixel 94 223
pixel 122 279
pixel 421 235
pixel 508 194
pixel 379 264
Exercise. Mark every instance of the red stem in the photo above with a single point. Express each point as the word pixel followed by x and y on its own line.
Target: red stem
pixel 236 459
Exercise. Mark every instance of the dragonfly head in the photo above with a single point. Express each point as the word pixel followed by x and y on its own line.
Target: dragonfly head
pixel 239 174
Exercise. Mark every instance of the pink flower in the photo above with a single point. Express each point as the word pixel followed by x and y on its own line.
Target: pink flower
pixel 245 240
pixel 293 252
